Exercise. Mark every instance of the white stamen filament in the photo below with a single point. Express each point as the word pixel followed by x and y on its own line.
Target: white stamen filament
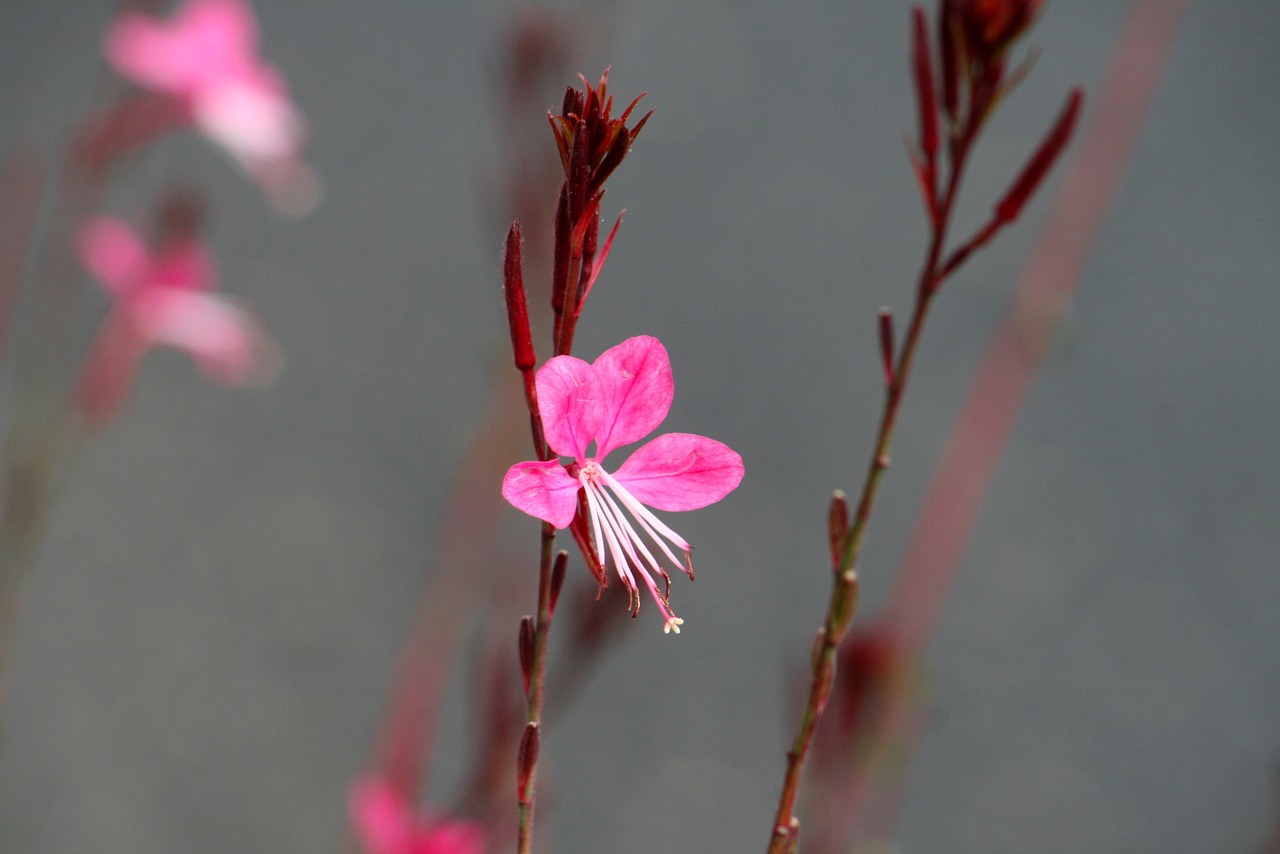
pixel 604 531
pixel 631 541
pixel 623 541
pixel 626 545
pixel 649 521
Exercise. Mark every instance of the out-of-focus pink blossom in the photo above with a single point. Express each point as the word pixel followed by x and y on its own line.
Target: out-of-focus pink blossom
pixel 206 57
pixel 164 299
pixel 386 824
pixel 621 398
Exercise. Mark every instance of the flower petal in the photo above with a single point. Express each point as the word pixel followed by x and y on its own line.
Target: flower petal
pixel 380 816
pixel 544 490
pixel 225 32
pixel 386 824
pixel 635 389
pixel 226 341
pixel 570 405
pixel 203 41
pixel 252 118
pixel 451 837
pixel 141 48
pixel 113 253
pixel 681 471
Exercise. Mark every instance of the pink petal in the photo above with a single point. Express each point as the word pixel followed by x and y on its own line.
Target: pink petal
pixel 681 471
pixel 113 253
pixel 206 57
pixel 385 824
pixel 451 837
pixel 227 342
pixel 204 41
pixel 144 50
pixel 544 490
pixel 252 118
pixel 380 817
pixel 225 32
pixel 570 405
pixel 635 389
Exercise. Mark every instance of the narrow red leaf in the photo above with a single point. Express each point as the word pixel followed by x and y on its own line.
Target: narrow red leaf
pixel 1042 161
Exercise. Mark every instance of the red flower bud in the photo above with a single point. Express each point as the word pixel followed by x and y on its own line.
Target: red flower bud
pixel 557 577
pixel 527 638
pixel 990 26
pixel 517 307
pixel 526 762
pixel 926 100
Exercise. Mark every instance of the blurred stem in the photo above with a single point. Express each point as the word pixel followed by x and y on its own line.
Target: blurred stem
pixel 28 490
pixel 466 561
pixel 40 433
pixel 41 436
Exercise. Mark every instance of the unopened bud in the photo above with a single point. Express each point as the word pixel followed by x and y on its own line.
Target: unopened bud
pixel 517 307
pixel 992 25
pixel 922 70
pixel 526 762
pixel 527 637
pixel 557 577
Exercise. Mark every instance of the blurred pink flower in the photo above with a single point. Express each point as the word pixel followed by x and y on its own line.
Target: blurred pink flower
pixel 621 398
pixel 205 56
pixel 385 824
pixel 161 300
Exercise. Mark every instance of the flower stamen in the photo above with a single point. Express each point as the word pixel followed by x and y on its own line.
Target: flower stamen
pixel 649 522
pixel 626 546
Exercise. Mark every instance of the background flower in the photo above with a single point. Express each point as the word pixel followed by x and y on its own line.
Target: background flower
pixel 161 300
pixel 386 824
pixel 206 56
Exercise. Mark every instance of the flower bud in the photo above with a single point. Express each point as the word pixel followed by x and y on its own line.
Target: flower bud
pixel 990 26
pixel 526 762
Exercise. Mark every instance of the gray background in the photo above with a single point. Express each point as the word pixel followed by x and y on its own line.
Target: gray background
pixel 205 647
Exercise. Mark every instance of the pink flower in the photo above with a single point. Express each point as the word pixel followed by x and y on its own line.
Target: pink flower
pixel 205 56
pixel 385 824
pixel 164 300
pixel 621 398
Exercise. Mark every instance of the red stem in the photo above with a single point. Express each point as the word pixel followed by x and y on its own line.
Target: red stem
pixel 527 762
pixel 1043 291
pixel 1040 296
pixel 844 590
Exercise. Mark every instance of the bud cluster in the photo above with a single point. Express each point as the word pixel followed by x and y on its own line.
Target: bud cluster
pixel 592 143
pixel 971 77
pixel 974 37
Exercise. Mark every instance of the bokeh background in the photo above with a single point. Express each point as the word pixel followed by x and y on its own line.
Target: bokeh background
pixel 205 647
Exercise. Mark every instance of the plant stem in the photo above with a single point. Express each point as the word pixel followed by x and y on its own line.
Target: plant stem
pixel 844 589
pixel 527 773
pixel 40 436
